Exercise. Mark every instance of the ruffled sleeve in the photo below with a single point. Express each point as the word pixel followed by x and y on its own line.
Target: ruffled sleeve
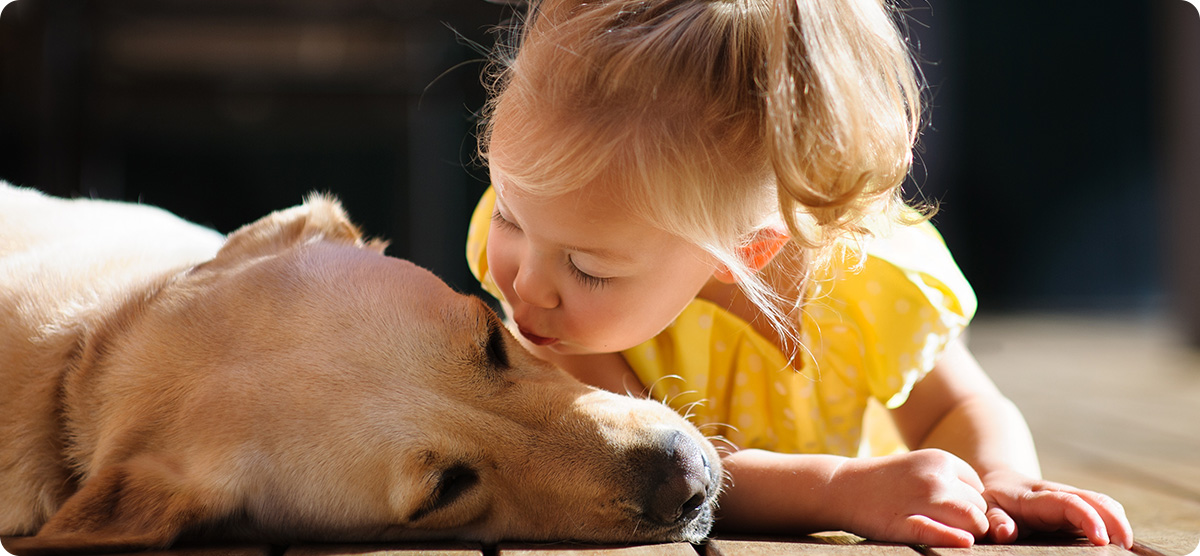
pixel 906 303
pixel 477 234
pixel 869 331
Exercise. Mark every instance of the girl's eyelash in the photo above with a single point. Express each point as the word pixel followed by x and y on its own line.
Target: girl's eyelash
pixel 592 282
pixel 502 221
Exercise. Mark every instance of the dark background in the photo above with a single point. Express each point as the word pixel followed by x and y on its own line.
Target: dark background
pixel 1061 137
pixel 224 110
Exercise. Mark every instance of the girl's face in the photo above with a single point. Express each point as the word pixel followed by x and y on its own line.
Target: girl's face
pixel 582 276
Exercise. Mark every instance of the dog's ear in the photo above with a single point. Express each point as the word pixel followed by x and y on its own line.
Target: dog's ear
pixel 142 504
pixel 321 217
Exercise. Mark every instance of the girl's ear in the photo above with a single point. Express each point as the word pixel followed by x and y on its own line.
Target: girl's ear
pixel 141 504
pixel 757 254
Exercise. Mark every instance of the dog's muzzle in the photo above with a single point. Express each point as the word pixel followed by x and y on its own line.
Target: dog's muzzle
pixel 680 483
pixel 677 483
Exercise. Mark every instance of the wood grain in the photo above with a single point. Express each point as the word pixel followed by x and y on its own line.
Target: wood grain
pixel 572 549
pixel 818 545
pixel 1114 406
pixel 406 549
pixel 1057 548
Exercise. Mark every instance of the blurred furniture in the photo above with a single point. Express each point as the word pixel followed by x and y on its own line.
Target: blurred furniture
pixel 225 110
pixel 1180 105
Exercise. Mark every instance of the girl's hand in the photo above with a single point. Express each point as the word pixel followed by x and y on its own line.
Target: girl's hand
pixel 926 497
pixel 1019 503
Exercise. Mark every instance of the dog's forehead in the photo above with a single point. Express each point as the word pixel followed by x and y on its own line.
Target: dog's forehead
pixel 381 283
pixel 354 265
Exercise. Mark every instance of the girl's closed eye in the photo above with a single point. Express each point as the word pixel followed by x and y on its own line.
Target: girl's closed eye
pixel 503 222
pixel 591 281
pixel 587 279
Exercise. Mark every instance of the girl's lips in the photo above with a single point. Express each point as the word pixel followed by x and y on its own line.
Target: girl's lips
pixel 535 339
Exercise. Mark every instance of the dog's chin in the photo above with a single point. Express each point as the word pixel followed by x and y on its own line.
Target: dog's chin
pixel 695 530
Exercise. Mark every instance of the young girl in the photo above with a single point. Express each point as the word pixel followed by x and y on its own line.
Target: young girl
pixel 699 200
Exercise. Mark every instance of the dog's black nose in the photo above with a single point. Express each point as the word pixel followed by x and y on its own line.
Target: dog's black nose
pixel 678 479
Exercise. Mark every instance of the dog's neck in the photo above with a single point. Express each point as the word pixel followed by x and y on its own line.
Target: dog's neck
pixel 93 335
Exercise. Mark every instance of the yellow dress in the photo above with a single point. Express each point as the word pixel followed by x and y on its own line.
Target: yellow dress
pixel 869 335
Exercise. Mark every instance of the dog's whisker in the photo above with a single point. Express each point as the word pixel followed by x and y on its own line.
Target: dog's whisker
pixel 653 386
pixel 671 400
pixel 721 443
pixel 687 410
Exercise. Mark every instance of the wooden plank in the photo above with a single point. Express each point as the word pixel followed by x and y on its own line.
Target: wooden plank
pixel 1028 550
pixel 826 544
pixel 1162 523
pixel 398 549
pixel 1113 405
pixel 574 549
pixel 231 550
pixel 218 550
pixel 1038 546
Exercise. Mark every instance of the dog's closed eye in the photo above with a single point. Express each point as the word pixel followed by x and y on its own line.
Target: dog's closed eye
pixel 497 354
pixel 453 483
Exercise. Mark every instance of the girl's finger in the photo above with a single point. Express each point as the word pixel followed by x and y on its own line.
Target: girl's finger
pixel 1113 513
pixel 1002 529
pixel 964 511
pixel 921 529
pixel 968 475
pixel 1054 510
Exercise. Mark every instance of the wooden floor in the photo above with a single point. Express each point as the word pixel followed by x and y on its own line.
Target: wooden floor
pixel 1114 403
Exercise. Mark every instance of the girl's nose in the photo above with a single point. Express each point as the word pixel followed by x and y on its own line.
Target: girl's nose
pixel 535 287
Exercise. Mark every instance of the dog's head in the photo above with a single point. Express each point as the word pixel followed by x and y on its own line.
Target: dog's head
pixel 303 386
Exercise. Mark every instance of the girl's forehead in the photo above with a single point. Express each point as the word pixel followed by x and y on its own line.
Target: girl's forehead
pixel 575 208
pixel 592 199
pixel 550 154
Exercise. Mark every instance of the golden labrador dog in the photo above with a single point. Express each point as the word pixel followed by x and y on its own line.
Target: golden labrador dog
pixel 292 383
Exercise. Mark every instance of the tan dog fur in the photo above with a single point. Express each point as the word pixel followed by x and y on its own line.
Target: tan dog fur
pixel 293 383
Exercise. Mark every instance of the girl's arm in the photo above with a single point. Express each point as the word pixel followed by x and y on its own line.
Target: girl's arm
pixel 927 497
pixel 974 473
pixel 957 408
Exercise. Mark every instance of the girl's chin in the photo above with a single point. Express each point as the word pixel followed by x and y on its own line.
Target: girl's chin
pixel 543 345
pixel 558 347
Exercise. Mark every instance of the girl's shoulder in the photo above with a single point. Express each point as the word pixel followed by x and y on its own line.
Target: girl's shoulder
pixel 907 264
pixel 898 302
pixel 477 235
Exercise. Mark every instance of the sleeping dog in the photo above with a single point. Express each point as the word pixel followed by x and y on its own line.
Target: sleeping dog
pixel 291 383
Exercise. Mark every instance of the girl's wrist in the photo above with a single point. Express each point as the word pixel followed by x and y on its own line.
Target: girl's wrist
pixel 1002 475
pixel 843 489
pixel 773 492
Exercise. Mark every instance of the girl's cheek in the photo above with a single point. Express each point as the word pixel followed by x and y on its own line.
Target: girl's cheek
pixel 501 263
